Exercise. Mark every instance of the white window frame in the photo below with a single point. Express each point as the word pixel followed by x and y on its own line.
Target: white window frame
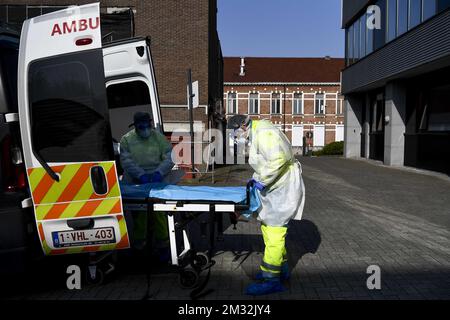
pixel 323 105
pixel 339 106
pixel 271 103
pixel 302 103
pixel 236 106
pixel 257 100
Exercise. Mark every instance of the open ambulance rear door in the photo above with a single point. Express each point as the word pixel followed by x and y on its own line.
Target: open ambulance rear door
pixel 66 135
pixel 130 84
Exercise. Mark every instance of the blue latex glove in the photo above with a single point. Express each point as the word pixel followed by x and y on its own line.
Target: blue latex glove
pixel 258 185
pixel 145 178
pixel 156 177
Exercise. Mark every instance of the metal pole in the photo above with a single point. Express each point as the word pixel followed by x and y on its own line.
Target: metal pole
pixel 191 118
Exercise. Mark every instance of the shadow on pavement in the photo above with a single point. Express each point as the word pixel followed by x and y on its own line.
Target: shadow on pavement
pixel 303 238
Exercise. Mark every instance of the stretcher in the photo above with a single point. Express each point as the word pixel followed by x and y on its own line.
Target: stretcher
pixel 184 204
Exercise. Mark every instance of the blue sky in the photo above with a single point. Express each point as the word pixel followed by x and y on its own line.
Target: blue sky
pixel 280 28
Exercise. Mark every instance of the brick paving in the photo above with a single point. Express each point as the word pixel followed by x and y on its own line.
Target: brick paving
pixel 357 214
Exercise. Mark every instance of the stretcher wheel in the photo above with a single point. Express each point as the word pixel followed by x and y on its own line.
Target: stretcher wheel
pixel 200 260
pixel 188 278
pixel 96 278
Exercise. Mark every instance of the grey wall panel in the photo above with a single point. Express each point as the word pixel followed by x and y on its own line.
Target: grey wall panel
pixel 351 8
pixel 428 43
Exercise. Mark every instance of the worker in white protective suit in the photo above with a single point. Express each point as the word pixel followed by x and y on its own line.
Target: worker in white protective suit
pixel 146 157
pixel 278 179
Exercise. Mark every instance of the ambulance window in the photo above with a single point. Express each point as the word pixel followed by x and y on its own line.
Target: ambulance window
pixel 125 99
pixel 69 121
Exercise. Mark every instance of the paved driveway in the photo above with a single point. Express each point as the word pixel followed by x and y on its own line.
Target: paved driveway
pixel 357 214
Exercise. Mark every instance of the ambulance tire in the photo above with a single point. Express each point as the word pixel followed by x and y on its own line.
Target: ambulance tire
pixel 200 260
pixel 188 278
pixel 98 279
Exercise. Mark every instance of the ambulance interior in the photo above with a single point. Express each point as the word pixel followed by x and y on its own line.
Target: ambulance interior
pixel 124 100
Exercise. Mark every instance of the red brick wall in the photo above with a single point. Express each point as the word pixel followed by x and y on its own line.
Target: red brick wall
pixel 287 119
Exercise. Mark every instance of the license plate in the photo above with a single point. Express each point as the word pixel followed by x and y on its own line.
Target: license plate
pixel 88 237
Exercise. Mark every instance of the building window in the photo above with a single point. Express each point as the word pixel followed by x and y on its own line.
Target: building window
pixel 415 13
pixel 253 107
pixel 320 103
pixel 392 20
pixel 298 103
pixel 443 5
pixel 402 17
pixel 339 106
pixel 357 41
pixel 350 45
pixel 363 31
pixel 380 34
pixel 369 40
pixel 429 9
pixel 276 104
pixel 232 103
pixel 436 116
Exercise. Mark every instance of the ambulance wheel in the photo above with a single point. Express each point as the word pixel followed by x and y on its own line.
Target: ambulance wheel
pixel 200 260
pixel 97 279
pixel 188 278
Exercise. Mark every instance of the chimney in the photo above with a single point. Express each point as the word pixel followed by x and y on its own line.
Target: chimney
pixel 242 67
pixel 327 58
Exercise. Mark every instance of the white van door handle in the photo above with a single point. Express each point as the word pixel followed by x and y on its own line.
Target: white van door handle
pixel 11 117
pixel 27 203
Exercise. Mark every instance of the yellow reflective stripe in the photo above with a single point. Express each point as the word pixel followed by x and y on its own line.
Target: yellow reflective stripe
pixel 269 270
pixel 115 191
pixel 35 177
pixel 72 209
pixel 46 248
pixel 108 247
pixel 85 191
pixel 106 166
pixel 105 207
pixel 72 250
pixel 58 188
pixel 42 210
pixel 122 226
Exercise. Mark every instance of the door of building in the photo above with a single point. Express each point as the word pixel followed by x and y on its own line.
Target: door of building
pixel 319 136
pixel 377 125
pixel 339 132
pixel 297 136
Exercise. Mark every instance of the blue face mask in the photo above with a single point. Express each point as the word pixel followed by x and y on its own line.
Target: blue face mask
pixel 144 133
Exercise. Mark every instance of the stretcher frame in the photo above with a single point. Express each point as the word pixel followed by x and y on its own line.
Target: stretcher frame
pixel 214 209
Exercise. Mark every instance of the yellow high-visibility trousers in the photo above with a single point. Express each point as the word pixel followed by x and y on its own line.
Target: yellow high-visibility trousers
pixel 275 253
pixel 158 222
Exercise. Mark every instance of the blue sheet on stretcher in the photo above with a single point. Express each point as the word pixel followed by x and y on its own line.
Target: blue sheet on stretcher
pixel 169 192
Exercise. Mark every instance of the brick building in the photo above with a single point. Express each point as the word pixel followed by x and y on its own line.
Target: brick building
pixel 183 35
pixel 299 95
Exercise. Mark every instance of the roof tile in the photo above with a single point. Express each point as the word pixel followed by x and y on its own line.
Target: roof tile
pixel 284 70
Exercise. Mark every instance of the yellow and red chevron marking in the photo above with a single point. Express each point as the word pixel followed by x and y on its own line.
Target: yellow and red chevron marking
pixel 74 185
pixel 122 244
pixel 73 196
pixel 78 209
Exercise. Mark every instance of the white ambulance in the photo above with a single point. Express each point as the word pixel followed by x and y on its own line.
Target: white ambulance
pixel 76 98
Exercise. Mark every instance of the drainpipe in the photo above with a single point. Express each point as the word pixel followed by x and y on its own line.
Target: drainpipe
pixel 284 109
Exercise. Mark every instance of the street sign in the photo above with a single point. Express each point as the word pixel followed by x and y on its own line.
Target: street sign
pixel 195 95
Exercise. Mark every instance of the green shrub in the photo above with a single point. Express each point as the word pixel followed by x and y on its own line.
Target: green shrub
pixel 332 149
